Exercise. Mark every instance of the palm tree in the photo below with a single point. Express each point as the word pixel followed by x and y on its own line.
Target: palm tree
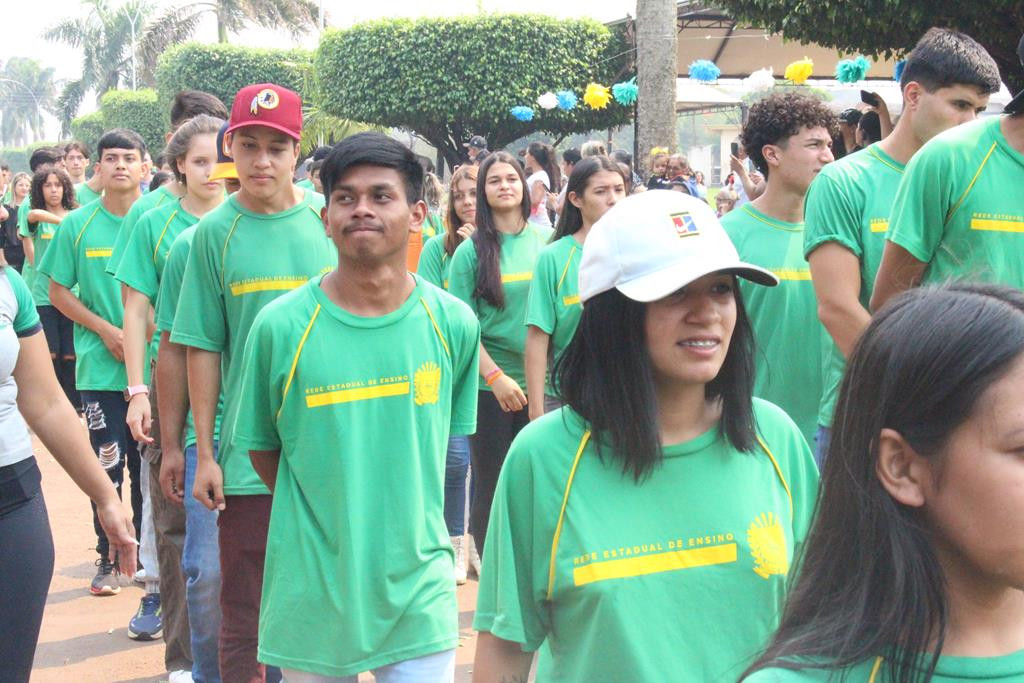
pixel 26 92
pixel 295 16
pixel 104 35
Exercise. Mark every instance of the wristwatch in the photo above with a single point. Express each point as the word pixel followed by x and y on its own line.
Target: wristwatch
pixel 135 391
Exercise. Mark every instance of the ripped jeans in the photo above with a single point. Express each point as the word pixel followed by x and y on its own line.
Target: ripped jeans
pixel 105 414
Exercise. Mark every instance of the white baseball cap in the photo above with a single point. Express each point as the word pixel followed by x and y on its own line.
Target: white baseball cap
pixel 651 244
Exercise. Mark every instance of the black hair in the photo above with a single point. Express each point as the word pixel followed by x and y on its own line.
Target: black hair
pixel 44 156
pixel 79 146
pixel 571 218
pixel 623 157
pixel 190 103
pixel 605 375
pixel 159 178
pixel 38 201
pixel 120 138
pixel 486 238
pixel 373 149
pixel 869 582
pixel 776 118
pixel 545 156
pixel 5 166
pixel 572 156
pixel 321 152
pixel 943 58
pixel 316 166
pixel 871 127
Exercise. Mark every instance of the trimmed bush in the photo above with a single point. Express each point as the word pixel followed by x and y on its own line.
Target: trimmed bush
pixel 450 78
pixel 138 110
pixel 88 128
pixel 17 157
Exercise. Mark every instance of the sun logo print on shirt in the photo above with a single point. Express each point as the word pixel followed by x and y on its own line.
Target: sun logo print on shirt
pixel 265 99
pixel 426 384
pixel 768 545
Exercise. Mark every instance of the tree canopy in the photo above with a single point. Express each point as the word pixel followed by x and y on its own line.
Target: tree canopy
pixel 891 27
pixel 26 91
pixel 450 78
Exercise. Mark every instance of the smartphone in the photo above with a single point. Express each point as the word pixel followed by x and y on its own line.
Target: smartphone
pixel 735 147
pixel 869 98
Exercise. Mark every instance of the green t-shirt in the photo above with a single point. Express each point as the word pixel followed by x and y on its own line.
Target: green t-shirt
pixel 679 577
pixel 501 329
pixel 145 202
pixel 787 331
pixel 167 304
pixel 358 431
pixel 85 194
pixel 41 238
pixel 241 261
pixel 554 303
pixel 434 262
pixel 1003 669
pixel 306 184
pixel 78 255
pixel 432 226
pixel 955 211
pixel 849 203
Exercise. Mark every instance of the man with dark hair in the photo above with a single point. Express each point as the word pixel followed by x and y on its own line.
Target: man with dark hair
pixel 947 81
pixel 847 138
pixel 958 212
pixel 189 103
pixel 78 256
pixel 476 149
pixel 265 240
pixel 333 435
pixel 788 137
pixel 76 163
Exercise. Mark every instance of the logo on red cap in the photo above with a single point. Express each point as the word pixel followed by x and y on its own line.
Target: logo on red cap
pixel 265 99
pixel 270 105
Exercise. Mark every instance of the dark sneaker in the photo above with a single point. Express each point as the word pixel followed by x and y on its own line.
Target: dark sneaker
pixel 105 581
pixel 147 623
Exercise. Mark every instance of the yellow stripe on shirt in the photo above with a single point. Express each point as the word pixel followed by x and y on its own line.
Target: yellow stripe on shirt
pixel 792 273
pixel 879 225
pixel 270 285
pixel 997 225
pixel 358 394
pixel 655 564
pixel 571 300
pixel 517 277
pixel 98 252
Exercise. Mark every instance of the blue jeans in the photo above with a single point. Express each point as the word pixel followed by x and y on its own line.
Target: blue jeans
pixel 455 469
pixel 821 440
pixel 201 562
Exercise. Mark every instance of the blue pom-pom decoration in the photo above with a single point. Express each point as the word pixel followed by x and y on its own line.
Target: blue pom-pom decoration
pixel 705 71
pixel 852 70
pixel 522 113
pixel 897 73
pixel 625 93
pixel 566 99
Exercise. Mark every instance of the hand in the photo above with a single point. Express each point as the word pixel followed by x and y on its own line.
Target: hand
pixel 117 523
pixel 209 485
pixel 880 107
pixel 172 475
pixel 466 231
pixel 113 338
pixel 510 397
pixel 756 178
pixel 3 213
pixel 736 165
pixel 140 418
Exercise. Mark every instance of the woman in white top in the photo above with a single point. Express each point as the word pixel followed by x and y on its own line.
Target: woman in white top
pixel 542 175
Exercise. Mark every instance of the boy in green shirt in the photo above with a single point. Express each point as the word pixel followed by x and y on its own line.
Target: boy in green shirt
pixel 946 81
pixel 789 139
pixel 76 162
pixel 78 255
pixel 954 217
pixel 335 437
pixel 263 241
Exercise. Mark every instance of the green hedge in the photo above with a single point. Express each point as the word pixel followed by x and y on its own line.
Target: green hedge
pixel 223 70
pixel 88 128
pixel 17 157
pixel 138 110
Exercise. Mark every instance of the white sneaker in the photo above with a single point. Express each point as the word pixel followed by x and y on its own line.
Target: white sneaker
pixel 474 557
pixel 180 676
pixel 459 546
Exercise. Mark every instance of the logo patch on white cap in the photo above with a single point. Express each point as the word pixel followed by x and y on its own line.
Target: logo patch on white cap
pixel 684 223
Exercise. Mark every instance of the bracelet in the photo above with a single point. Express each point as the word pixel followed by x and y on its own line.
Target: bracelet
pixel 492 376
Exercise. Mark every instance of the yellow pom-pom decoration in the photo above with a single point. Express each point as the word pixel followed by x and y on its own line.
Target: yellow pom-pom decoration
pixel 799 71
pixel 597 96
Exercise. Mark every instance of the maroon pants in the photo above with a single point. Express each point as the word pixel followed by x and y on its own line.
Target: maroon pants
pixel 242 531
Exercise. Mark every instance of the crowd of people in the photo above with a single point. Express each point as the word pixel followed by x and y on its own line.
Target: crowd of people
pixel 635 390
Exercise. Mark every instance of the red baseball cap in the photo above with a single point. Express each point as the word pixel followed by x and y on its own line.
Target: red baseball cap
pixel 270 105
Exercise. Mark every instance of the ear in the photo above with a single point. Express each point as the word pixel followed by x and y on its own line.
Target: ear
pixel 575 200
pixel 180 165
pixel 771 154
pixel 912 94
pixel 901 470
pixel 323 219
pixel 417 214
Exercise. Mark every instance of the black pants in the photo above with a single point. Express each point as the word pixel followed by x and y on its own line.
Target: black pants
pixel 495 430
pixel 26 565
pixel 105 414
pixel 60 338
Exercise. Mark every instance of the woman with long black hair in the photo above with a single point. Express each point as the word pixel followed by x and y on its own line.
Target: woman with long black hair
pixel 554 307
pixel 914 568
pixel 492 272
pixel 645 531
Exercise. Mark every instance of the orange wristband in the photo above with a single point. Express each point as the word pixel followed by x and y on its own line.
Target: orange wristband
pixel 492 376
